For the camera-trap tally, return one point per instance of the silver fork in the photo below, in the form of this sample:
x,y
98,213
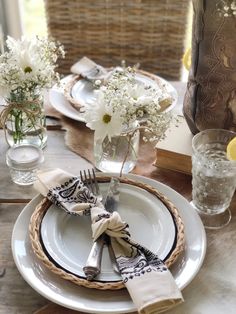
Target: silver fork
x,y
90,181
110,209
93,264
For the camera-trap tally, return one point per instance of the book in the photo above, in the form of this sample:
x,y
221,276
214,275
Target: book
x,y
175,151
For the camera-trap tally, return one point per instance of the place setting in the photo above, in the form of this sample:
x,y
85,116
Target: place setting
x,y
80,88
75,252
58,244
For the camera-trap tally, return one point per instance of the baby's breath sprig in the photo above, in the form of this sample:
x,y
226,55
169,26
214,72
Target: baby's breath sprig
x,y
123,100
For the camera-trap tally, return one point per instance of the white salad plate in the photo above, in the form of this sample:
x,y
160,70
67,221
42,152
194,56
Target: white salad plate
x,y
83,91
88,300
68,239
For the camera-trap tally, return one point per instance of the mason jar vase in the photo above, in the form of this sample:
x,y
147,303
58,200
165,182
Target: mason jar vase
x,y
118,154
26,121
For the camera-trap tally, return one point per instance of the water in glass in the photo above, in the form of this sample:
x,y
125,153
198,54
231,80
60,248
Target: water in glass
x,y
118,154
213,177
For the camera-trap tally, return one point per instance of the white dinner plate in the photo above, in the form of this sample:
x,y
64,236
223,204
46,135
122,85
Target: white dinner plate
x,y
61,104
87,300
68,239
84,92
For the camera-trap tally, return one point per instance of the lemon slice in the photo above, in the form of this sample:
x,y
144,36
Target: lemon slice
x,y
187,59
231,149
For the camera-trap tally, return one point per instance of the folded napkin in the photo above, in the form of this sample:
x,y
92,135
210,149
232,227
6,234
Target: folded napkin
x,y
147,279
89,69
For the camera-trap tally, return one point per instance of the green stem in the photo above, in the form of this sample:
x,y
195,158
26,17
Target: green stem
x,y
127,153
17,134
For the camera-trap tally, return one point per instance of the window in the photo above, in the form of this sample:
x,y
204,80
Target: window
x,y
23,17
33,17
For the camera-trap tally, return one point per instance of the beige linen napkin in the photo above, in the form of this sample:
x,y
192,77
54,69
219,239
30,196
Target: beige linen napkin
x,y
89,69
147,279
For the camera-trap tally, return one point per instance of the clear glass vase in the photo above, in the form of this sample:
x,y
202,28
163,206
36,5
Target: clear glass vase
x,y
118,155
26,121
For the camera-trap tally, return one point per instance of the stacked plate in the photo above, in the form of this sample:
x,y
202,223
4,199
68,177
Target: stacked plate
x,y
67,241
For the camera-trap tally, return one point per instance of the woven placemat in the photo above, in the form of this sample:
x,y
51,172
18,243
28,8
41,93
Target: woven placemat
x,y
41,209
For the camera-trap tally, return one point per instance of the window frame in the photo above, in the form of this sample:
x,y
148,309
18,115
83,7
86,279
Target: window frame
x,y
11,18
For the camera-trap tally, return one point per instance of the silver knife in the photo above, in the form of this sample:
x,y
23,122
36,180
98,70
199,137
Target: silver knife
x,y
93,264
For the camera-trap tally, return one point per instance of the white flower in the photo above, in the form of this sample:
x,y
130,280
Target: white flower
x,y
28,65
102,120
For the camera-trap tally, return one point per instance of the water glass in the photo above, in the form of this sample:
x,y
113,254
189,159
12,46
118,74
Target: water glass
x,y
213,177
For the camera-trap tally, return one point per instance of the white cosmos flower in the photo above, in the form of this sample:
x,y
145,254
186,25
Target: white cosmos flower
x,y
28,63
25,54
103,120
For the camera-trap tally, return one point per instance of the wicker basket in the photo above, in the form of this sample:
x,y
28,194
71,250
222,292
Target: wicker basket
x,y
150,32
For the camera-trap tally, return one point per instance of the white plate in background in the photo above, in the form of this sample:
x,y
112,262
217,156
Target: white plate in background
x,y
84,92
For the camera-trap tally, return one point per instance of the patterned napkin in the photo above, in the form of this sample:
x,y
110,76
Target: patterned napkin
x,y
89,69
148,281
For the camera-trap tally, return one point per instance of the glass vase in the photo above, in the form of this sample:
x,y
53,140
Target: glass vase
x,y
25,122
118,154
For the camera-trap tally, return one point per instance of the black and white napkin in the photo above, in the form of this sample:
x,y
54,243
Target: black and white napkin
x,y
147,279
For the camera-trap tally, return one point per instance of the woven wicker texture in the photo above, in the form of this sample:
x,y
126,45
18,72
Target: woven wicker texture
x,y
34,231
149,32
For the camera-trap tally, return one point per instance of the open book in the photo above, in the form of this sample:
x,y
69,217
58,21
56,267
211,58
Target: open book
x,y
175,151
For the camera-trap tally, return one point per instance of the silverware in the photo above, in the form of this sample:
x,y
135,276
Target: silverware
x,y
111,203
93,264
112,255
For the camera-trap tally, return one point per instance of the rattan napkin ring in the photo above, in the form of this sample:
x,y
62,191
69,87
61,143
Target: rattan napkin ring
x,y
43,206
67,92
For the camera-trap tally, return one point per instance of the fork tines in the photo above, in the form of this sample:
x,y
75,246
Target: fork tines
x,y
88,177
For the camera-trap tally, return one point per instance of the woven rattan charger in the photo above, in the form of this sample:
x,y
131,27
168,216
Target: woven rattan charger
x,y
41,209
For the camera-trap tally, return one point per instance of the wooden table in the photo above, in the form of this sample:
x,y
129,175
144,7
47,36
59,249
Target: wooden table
x,y
213,290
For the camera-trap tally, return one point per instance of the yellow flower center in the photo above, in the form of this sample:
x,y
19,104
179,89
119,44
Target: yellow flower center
x,y
28,69
106,118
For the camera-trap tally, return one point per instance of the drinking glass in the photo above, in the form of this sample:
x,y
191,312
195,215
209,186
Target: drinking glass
x,y
213,177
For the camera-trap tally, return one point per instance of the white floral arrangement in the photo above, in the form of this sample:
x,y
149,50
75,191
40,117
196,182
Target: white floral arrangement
x,y
28,65
26,69
121,101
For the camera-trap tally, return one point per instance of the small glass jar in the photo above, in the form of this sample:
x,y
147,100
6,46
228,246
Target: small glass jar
x,y
120,153
23,162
